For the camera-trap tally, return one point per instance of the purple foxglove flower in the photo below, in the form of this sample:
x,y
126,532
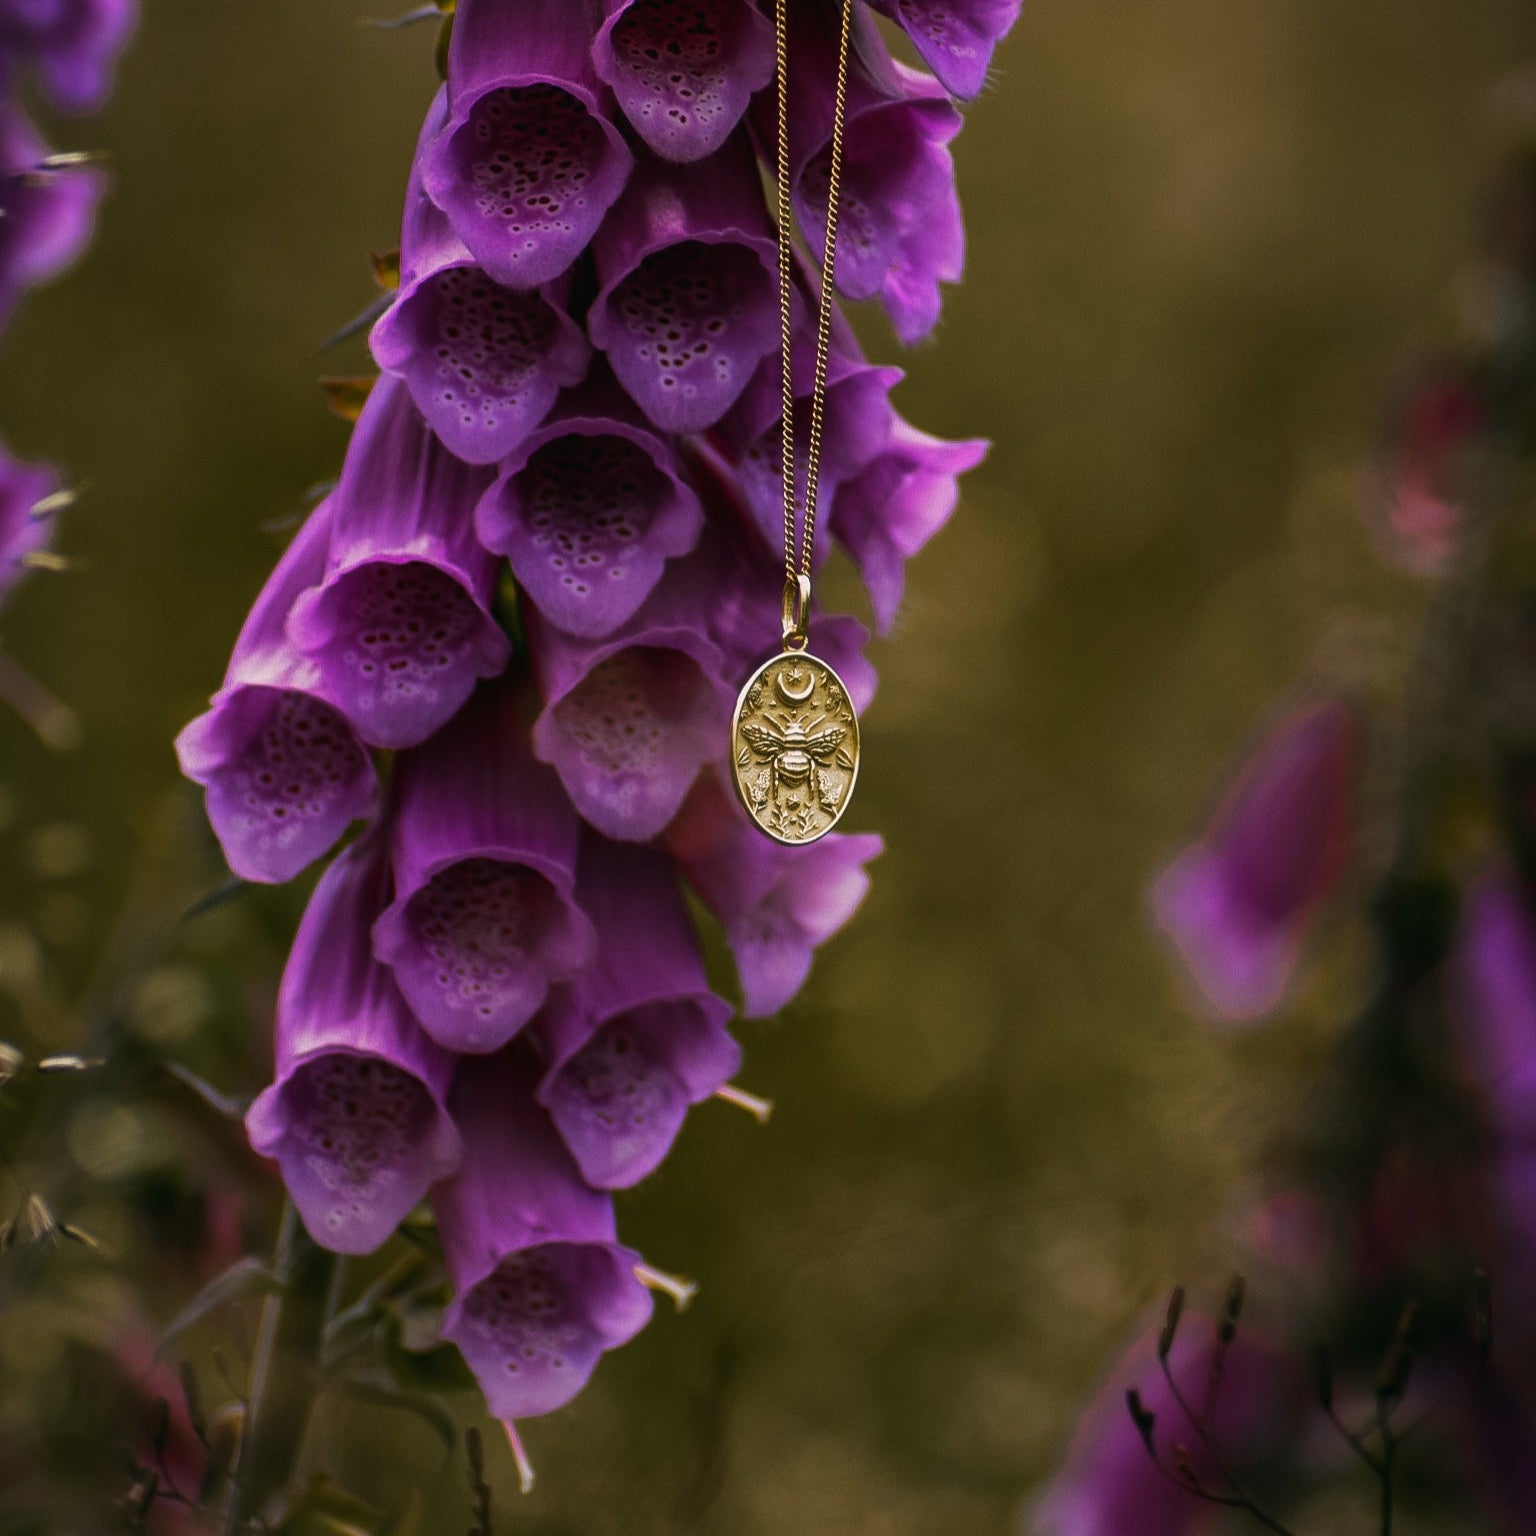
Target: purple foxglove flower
x,y
886,513
588,511
284,771
859,423
775,904
401,626
1236,904
528,161
45,215
22,531
629,721
542,1287
689,300
73,44
1109,1486
356,1113
954,37
483,363
1496,976
684,74
484,916
899,232
639,1036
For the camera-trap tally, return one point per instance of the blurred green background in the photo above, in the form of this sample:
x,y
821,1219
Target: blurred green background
x,y
1203,238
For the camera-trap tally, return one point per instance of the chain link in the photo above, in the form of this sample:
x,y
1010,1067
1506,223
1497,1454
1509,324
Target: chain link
x,y
797,551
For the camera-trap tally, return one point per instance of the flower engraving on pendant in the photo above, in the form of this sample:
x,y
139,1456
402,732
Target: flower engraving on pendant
x,y
795,747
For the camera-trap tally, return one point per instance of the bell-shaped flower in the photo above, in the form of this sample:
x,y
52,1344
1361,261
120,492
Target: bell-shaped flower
x,y
484,363
484,917
688,307
859,423
886,513
528,161
542,1286
24,522
46,213
1236,904
638,1037
628,721
1109,1484
400,626
1496,983
588,511
954,38
683,74
284,771
900,232
356,1113
72,44
775,904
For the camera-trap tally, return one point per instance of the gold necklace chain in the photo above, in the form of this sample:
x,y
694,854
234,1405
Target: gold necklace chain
x,y
797,551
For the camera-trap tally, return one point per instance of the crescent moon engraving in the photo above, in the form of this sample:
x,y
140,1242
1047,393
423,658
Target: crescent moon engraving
x,y
796,695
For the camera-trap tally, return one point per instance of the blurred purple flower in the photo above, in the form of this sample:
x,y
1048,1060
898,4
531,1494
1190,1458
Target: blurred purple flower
x,y
683,74
284,771
1236,903
588,510
1496,972
484,917
1109,1486
46,215
72,44
541,1286
355,1115
529,160
23,530
400,626
639,1036
688,307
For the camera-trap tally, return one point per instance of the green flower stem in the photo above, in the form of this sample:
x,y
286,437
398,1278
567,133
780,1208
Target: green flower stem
x,y
284,1374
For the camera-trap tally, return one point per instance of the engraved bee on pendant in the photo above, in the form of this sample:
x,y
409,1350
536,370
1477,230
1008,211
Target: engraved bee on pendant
x,y
795,747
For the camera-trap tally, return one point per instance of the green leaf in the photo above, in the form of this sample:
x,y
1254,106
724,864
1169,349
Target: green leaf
x,y
231,1106
217,897
249,1276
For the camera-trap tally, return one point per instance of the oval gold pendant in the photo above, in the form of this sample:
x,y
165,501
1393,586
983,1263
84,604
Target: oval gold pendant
x,y
795,747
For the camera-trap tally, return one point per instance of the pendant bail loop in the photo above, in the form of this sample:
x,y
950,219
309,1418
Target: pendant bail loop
x,y
797,611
